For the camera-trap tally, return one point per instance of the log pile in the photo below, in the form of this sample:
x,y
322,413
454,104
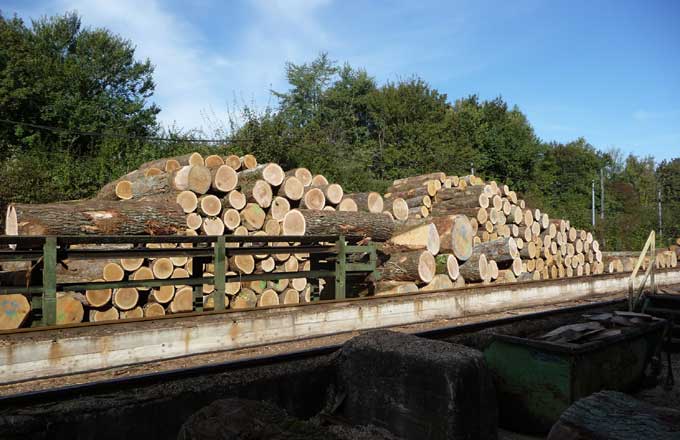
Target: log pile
x,y
433,232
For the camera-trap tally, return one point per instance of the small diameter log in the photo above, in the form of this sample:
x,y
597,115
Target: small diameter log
x,y
213,161
253,217
224,178
398,207
131,264
142,274
259,192
96,217
233,161
319,180
209,205
125,298
289,296
113,272
416,266
194,221
279,209
394,287
303,175
248,162
182,302
163,294
187,200
447,264
333,193
424,236
134,313
196,178
299,284
14,310
268,298
162,268
348,205
153,309
313,198
107,314
231,218
378,227
270,173
369,201
475,269
235,199
291,188
98,297
243,263
212,226
439,282
245,299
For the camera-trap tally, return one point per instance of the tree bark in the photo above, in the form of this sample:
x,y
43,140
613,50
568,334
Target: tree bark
x,y
368,201
378,227
418,266
96,217
475,269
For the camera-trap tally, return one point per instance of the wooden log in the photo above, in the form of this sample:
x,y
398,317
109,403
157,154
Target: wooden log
x,y
303,175
291,188
453,198
455,233
319,180
248,162
289,296
270,173
439,282
394,287
235,200
414,193
280,207
134,313
419,266
268,298
313,198
98,297
245,299
162,268
96,217
113,272
424,236
233,161
243,263
398,207
231,218
187,200
299,284
153,309
368,201
125,298
348,205
223,178
214,161
14,311
135,186
378,227
196,178
212,226
476,268
252,217
177,161
105,314
447,264
332,192
162,294
258,191
209,205
182,302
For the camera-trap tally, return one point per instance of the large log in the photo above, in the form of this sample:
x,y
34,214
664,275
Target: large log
x,y
135,185
475,269
96,217
470,197
424,236
378,227
14,310
455,233
397,207
419,266
368,201
503,251
186,159
270,173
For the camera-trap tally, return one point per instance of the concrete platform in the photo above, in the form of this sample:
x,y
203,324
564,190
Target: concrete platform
x,y
39,353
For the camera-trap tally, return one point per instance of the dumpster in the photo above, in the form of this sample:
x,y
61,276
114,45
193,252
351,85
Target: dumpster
x,y
538,377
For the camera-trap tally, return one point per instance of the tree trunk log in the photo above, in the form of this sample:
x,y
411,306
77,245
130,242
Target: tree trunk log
x,y
475,269
14,310
424,236
368,201
419,266
96,217
378,227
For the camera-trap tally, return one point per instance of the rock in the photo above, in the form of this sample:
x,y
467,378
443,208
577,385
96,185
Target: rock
x,y
417,388
611,415
240,419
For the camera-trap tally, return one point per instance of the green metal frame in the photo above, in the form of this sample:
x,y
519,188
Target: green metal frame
x,y
329,261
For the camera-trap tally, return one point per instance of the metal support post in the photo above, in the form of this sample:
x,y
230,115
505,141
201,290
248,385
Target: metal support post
x,y
197,272
341,269
49,275
220,272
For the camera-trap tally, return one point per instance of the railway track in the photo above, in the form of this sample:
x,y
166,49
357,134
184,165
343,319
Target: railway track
x,y
120,384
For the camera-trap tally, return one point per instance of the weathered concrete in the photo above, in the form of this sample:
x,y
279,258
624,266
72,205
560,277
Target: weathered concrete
x,y
45,353
417,388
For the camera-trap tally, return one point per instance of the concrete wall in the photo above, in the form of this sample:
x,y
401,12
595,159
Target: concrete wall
x,y
47,353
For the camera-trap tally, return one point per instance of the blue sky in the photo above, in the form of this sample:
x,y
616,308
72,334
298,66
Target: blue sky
x,y
605,70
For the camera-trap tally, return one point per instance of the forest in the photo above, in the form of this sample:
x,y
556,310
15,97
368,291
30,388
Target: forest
x,y
77,111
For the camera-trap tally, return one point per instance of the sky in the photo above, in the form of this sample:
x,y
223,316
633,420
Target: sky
x,y
608,71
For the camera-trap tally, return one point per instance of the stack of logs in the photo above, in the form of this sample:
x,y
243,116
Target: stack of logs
x,y
433,232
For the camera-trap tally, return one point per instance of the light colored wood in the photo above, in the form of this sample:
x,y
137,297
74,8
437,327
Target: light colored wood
x,y
97,297
213,161
233,161
252,217
348,205
231,218
243,263
302,174
182,302
291,188
153,309
209,205
248,162
369,201
289,296
162,268
245,299
212,226
279,209
131,264
268,298
70,308
144,273
314,199
162,294
113,272
106,314
235,199
125,298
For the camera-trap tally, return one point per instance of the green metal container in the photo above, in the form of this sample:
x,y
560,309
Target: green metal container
x,y
536,380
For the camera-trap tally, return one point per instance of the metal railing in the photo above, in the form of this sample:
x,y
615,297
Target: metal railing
x,y
633,292
331,257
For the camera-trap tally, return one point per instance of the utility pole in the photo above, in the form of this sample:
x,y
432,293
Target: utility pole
x,y
602,194
472,168
592,205
660,215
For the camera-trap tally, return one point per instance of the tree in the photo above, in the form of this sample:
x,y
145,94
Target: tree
x,y
57,73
